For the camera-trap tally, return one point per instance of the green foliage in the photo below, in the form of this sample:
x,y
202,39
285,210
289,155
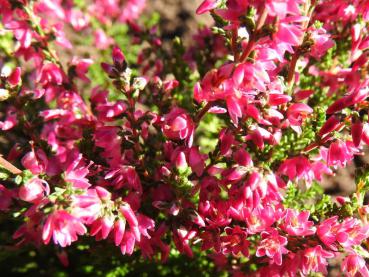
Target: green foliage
x,y
208,132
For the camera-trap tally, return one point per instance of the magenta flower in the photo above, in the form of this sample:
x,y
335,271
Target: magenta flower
x,y
10,120
88,206
81,67
356,132
235,241
327,232
76,174
21,31
354,265
102,226
297,168
99,161
282,8
35,161
297,112
34,190
14,78
5,198
63,228
329,126
50,73
77,19
322,42
132,220
131,10
118,232
101,40
128,242
259,219
272,245
352,232
354,97
177,125
314,260
348,233
288,35
206,6
297,224
340,153
196,161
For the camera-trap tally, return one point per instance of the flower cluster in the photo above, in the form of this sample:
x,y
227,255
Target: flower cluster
x,y
135,162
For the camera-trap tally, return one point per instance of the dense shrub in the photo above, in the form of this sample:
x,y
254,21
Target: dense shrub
x,y
179,159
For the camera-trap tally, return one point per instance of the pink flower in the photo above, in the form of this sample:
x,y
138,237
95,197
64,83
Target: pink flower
x,y
35,161
118,56
101,40
233,11
196,161
354,97
254,190
329,126
352,232
10,121
102,226
34,190
181,238
178,125
314,260
297,112
50,73
234,109
259,219
5,198
81,67
63,227
131,218
354,265
322,42
118,232
276,99
288,35
340,153
14,78
89,205
21,31
77,19
235,241
131,10
297,224
272,245
206,6
76,174
297,168
328,230
348,233
356,132
282,8
63,258
127,244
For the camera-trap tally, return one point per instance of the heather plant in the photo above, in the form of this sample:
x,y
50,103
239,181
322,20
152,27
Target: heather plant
x,y
146,156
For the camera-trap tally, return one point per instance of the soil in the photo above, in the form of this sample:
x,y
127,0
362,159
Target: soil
x,y
178,17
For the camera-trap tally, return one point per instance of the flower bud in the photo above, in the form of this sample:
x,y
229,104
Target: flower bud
x,y
178,125
34,190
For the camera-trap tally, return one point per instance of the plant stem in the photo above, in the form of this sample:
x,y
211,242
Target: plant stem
x,y
202,112
253,38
